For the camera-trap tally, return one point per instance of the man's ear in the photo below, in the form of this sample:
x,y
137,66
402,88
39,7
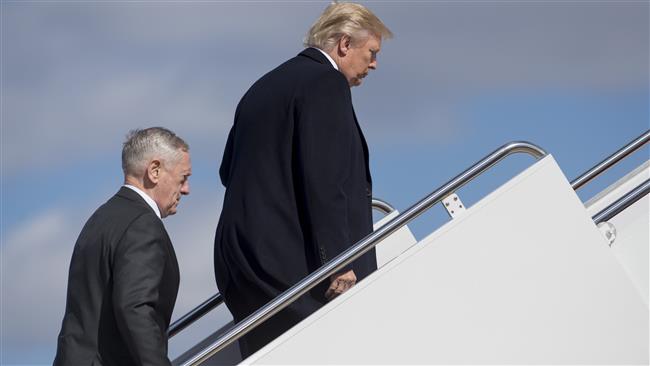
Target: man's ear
x,y
343,45
154,171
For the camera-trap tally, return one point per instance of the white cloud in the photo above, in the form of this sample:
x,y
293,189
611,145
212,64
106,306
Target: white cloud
x,y
94,118
35,261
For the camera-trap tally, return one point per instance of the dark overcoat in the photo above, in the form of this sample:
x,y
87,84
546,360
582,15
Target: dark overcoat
x,y
122,287
298,190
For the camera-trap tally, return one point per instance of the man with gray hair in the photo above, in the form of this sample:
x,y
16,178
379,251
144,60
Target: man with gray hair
x,y
124,277
295,168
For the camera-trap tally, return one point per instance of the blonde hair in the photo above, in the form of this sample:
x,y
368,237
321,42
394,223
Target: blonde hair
x,y
344,19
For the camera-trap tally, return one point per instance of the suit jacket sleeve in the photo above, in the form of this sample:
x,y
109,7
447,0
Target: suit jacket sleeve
x,y
326,134
138,268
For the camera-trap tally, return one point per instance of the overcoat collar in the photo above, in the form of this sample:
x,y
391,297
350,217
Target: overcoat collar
x,y
315,55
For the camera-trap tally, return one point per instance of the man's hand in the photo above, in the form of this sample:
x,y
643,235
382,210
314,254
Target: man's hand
x,y
340,283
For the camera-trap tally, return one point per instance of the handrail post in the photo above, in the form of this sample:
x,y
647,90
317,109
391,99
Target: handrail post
x,y
383,206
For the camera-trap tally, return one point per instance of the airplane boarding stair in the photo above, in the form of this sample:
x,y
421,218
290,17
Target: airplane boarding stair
x,y
529,274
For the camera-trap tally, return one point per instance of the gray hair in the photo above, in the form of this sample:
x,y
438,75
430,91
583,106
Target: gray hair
x,y
142,145
345,19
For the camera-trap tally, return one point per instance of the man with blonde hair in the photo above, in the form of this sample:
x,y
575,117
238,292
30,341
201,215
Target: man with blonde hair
x,y
295,168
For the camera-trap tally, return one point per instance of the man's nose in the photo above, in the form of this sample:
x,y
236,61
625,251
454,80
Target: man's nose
x,y
373,65
185,189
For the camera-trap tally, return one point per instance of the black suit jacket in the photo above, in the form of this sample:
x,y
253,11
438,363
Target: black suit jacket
x,y
122,288
298,187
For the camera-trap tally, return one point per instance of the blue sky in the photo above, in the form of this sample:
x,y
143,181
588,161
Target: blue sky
x,y
459,79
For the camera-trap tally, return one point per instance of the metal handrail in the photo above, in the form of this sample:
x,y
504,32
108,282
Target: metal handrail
x,y
361,247
217,299
195,314
622,203
611,160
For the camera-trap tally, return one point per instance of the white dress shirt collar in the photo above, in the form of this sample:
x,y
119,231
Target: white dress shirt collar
x,y
329,58
146,198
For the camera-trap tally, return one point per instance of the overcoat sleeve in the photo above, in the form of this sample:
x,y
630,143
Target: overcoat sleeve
x,y
326,133
226,162
138,269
